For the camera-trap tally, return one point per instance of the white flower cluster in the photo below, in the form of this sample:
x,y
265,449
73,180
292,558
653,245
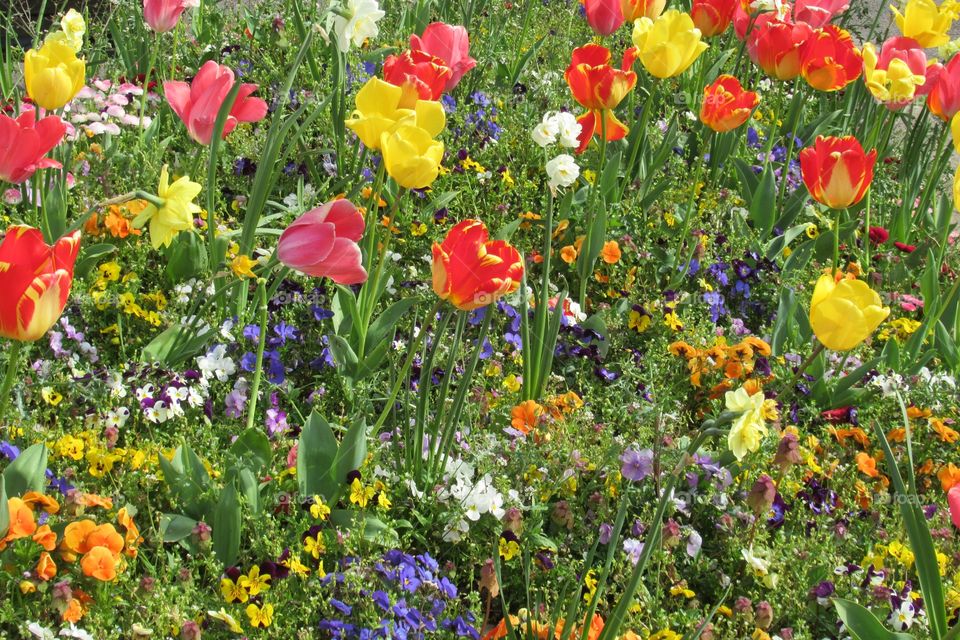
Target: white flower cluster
x,y
474,497
216,364
559,127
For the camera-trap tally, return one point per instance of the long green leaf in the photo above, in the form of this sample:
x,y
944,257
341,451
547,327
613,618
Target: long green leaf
x,y
862,625
226,526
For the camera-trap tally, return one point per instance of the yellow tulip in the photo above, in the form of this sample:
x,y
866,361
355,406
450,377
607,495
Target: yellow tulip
x,y
668,45
844,314
412,156
171,211
378,112
53,74
925,22
956,190
955,131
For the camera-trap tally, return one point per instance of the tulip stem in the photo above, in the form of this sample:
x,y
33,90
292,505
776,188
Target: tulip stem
x,y
836,242
866,235
146,81
13,363
261,344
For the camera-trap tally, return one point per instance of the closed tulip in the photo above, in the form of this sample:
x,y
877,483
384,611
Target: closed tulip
x,y
198,103
470,270
598,87
944,98
603,16
636,9
163,15
898,74
668,45
818,13
726,105
830,61
843,314
411,155
419,75
926,22
836,171
24,142
776,46
53,74
35,278
378,111
449,43
323,243
713,17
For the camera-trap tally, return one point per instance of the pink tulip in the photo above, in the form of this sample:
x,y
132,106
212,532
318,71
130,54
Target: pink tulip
x,y
818,13
163,15
198,103
953,499
24,143
449,43
604,16
912,54
323,243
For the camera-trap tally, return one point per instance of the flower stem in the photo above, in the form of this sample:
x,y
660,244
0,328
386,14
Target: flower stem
x,y
261,344
13,363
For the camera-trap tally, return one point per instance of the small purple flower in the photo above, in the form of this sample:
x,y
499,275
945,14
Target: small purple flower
x,y
636,465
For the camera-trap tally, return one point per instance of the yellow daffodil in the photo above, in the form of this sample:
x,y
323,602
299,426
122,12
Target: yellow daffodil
x,y
843,314
378,111
747,431
171,211
412,156
668,45
53,74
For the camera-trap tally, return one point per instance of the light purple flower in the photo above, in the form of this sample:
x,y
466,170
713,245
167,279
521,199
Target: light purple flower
x,y
636,465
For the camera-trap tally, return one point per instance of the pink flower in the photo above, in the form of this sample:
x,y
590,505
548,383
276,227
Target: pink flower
x,y
449,43
323,243
604,16
163,15
24,143
910,303
953,499
817,13
198,103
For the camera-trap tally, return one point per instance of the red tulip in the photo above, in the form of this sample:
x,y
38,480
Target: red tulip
x,y
836,171
953,499
35,279
470,271
24,143
420,75
449,43
944,98
604,16
747,20
163,15
713,17
198,103
599,87
776,46
817,13
830,60
323,243
726,105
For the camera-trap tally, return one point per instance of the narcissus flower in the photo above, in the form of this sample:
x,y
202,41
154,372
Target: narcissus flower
x,y
830,61
73,27
818,13
412,156
163,15
944,98
603,16
355,21
35,278
713,17
898,74
726,105
323,243
776,46
420,76
843,314
636,9
837,171
53,75
668,45
747,430
172,211
470,270
198,103
599,87
926,22
562,171
378,111
24,143
449,43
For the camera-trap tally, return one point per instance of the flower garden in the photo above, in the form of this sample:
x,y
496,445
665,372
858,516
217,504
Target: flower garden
x,y
527,319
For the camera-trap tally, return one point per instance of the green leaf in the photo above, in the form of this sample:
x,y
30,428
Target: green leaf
x,y
176,344
90,257
250,489
374,529
175,527
226,526
382,327
862,625
763,206
785,320
352,452
344,308
505,232
343,354
4,509
252,449
27,472
316,456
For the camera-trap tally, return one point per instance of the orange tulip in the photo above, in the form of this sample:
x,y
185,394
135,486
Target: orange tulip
x,y
837,171
726,105
470,271
599,87
46,567
713,17
776,46
830,60
99,563
636,9
35,279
